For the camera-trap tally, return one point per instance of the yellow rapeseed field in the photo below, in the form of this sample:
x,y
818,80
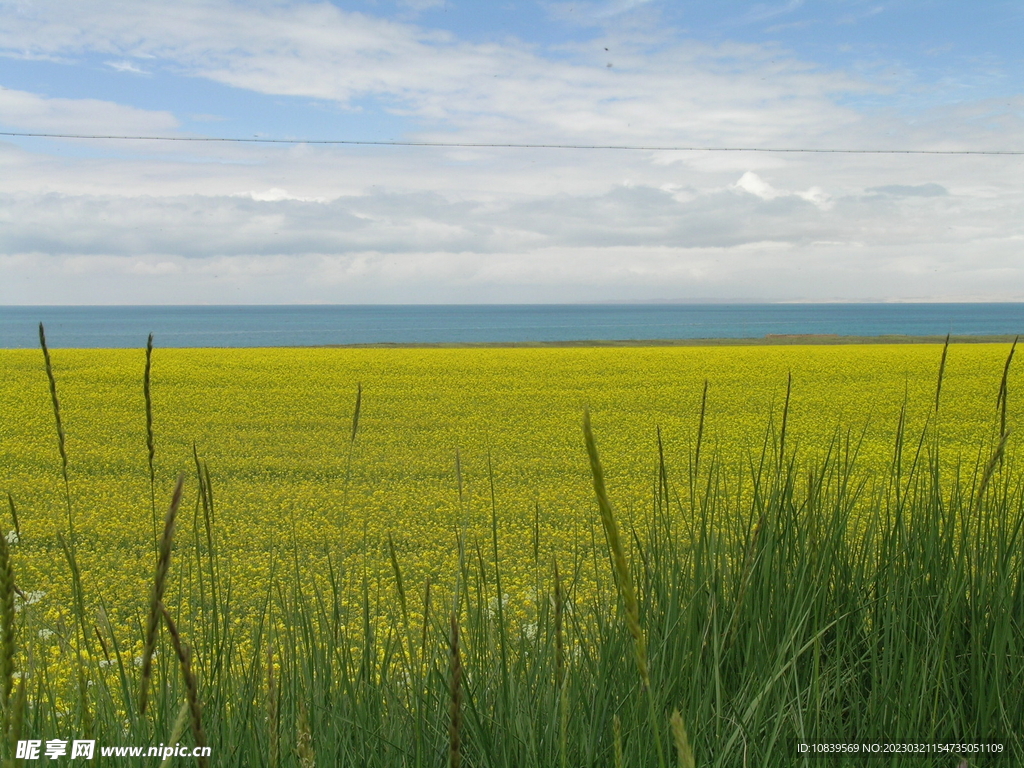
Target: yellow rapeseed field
x,y
292,489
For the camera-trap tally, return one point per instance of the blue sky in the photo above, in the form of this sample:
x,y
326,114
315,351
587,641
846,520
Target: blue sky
x,y
168,222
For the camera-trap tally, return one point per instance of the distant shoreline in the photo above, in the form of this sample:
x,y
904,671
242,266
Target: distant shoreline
x,y
778,340
771,340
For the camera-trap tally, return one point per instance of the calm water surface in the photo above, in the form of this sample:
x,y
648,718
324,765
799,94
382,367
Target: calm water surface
x,y
262,326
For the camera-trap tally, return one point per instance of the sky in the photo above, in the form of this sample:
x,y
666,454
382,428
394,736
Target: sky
x,y
175,222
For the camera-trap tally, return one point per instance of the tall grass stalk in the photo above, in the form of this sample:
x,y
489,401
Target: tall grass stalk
x,y
356,411
150,443
14,515
195,709
15,718
700,430
785,419
684,754
304,740
55,403
617,741
1001,399
177,731
624,580
455,696
273,715
163,564
942,371
6,637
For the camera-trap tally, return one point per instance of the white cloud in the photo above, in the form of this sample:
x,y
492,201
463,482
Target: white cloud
x,y
911,190
30,111
126,66
422,5
816,196
755,185
761,12
276,194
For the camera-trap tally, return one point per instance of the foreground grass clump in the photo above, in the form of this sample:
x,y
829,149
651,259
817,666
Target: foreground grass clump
x,y
804,595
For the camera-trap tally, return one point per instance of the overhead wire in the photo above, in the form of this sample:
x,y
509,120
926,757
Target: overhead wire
x,y
500,145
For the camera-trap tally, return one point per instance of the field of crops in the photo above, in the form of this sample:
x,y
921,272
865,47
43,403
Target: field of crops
x,y
275,428
347,467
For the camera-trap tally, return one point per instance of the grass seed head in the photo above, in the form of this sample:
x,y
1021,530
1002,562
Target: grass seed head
x,y
623,577
684,753
163,565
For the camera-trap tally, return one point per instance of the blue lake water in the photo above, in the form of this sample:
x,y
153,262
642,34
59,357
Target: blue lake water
x,y
305,325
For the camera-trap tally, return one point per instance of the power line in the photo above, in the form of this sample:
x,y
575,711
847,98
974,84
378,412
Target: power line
x,y
488,145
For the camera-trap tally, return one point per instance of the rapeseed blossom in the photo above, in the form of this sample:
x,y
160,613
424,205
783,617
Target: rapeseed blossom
x,y
292,481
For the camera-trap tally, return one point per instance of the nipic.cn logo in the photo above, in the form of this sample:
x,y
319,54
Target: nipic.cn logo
x,y
53,748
